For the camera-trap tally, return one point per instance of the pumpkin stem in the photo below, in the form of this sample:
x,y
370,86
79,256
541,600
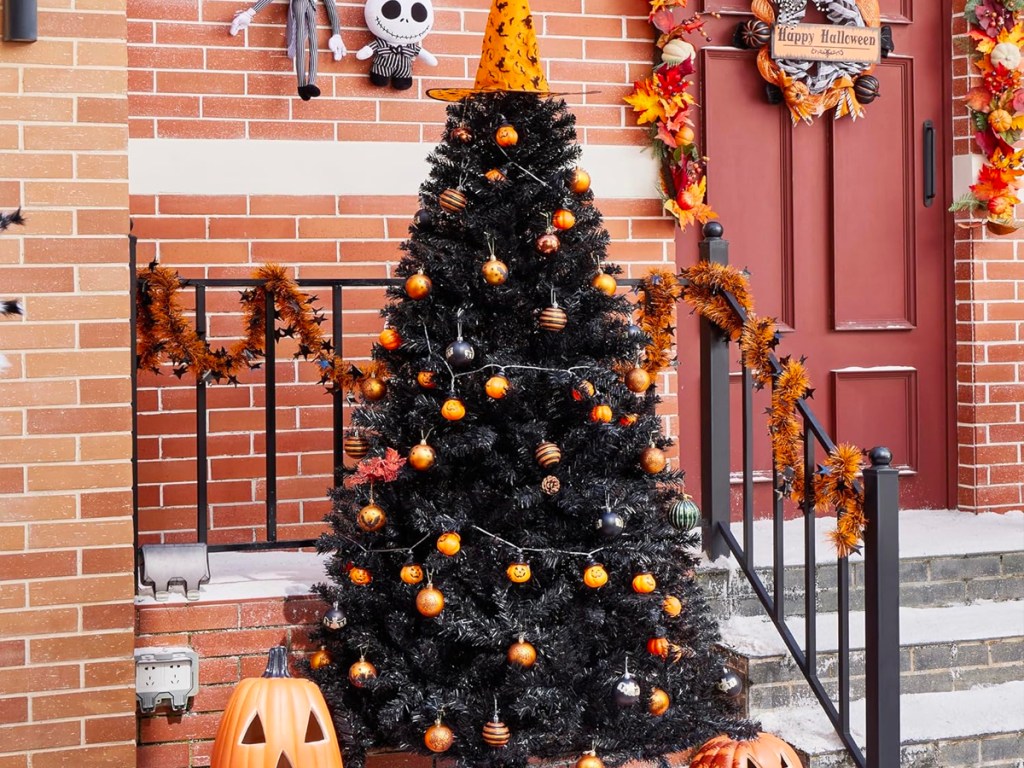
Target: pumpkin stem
x,y
277,662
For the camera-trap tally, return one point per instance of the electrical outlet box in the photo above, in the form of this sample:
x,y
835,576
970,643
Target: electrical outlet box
x,y
165,675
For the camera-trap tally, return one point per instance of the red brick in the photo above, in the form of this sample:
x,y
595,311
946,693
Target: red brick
x,y
13,710
19,738
173,755
113,756
253,641
157,619
47,677
105,645
83,703
12,653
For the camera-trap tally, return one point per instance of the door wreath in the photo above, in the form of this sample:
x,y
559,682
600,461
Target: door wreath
x,y
809,88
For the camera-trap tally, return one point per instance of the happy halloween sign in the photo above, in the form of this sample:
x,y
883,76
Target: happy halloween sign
x,y
827,42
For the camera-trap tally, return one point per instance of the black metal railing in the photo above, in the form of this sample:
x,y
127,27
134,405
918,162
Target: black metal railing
x,y
881,543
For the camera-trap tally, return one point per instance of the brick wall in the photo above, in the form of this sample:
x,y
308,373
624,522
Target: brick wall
x,y
66,683
989,272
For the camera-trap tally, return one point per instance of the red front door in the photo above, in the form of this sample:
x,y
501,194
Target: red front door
x,y
832,222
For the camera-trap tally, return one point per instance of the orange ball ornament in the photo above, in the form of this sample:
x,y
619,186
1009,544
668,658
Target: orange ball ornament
x,y
411,573
644,583
497,387
360,576
506,136
495,272
579,181
418,286
658,703
371,518
449,543
439,737
672,606
422,456
652,460
605,283
563,219
453,409
522,654
595,576
390,339
430,601
519,573
590,760
362,672
638,380
320,658
427,379
373,388
601,414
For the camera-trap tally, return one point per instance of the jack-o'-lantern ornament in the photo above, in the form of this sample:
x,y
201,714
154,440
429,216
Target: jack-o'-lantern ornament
x,y
605,283
519,572
658,702
422,456
449,543
418,286
638,380
563,219
644,583
390,339
495,272
411,573
522,653
506,135
439,737
579,181
764,751
595,576
371,518
497,387
276,720
430,601
427,379
361,577
653,460
362,672
583,391
453,409
672,606
548,243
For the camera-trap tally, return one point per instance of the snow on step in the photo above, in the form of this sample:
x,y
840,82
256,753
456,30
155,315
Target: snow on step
x,y
923,533
924,717
755,636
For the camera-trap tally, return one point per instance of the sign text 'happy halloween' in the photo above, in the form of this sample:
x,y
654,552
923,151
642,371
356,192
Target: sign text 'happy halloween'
x,y
827,42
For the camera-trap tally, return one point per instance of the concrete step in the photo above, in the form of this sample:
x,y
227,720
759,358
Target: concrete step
x,y
978,728
947,558
942,649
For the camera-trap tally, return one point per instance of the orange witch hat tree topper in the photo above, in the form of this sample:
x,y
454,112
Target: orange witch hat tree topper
x,y
509,60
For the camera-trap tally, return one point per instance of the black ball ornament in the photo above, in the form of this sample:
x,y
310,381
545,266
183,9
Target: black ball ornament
x,y
731,683
865,88
634,332
610,524
627,691
335,618
460,353
422,218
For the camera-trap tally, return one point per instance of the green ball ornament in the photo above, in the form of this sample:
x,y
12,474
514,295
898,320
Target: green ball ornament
x,y
684,514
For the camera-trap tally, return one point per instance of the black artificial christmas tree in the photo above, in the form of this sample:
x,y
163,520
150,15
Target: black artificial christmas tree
x,y
517,587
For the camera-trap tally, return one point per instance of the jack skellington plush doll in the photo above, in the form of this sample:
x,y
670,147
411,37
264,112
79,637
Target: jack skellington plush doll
x,y
398,28
301,35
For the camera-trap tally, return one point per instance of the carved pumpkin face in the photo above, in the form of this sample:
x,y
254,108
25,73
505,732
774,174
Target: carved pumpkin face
x,y
601,413
518,573
595,576
449,543
643,583
360,577
412,573
765,751
390,339
506,136
453,409
276,721
399,22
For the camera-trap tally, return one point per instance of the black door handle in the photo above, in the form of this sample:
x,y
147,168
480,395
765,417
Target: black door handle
x,y
929,163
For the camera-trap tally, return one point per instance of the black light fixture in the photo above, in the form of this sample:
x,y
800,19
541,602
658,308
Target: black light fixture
x,y
21,19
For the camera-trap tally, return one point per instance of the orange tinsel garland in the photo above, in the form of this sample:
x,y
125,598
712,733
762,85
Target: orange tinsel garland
x,y
164,334
833,485
655,308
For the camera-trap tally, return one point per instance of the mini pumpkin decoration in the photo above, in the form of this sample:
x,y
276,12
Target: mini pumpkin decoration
x,y
371,518
360,673
430,601
605,283
320,658
590,760
506,135
418,286
1006,54
495,272
439,737
595,576
356,446
519,572
753,33
411,573
866,88
658,646
579,181
452,200
658,703
427,379
422,456
390,339
672,606
638,380
360,576
495,176
497,387
548,243
553,319
276,720
601,414
644,583
563,219
373,388
449,543
584,390
548,455
653,460
453,409
1000,120
628,419
764,751
522,653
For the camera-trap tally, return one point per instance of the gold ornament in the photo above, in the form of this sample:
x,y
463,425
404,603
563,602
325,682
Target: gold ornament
x,y
638,380
430,601
553,319
652,460
371,518
449,543
495,272
452,200
579,181
422,456
658,703
563,219
522,654
360,673
496,734
605,283
356,446
439,737
590,760
548,243
373,388
548,455
320,658
418,286
390,339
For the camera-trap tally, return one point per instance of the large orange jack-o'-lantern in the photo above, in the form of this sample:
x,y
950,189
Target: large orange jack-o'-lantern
x,y
276,721
764,751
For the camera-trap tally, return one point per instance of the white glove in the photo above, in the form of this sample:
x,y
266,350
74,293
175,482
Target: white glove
x,y
365,52
241,21
428,58
337,47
